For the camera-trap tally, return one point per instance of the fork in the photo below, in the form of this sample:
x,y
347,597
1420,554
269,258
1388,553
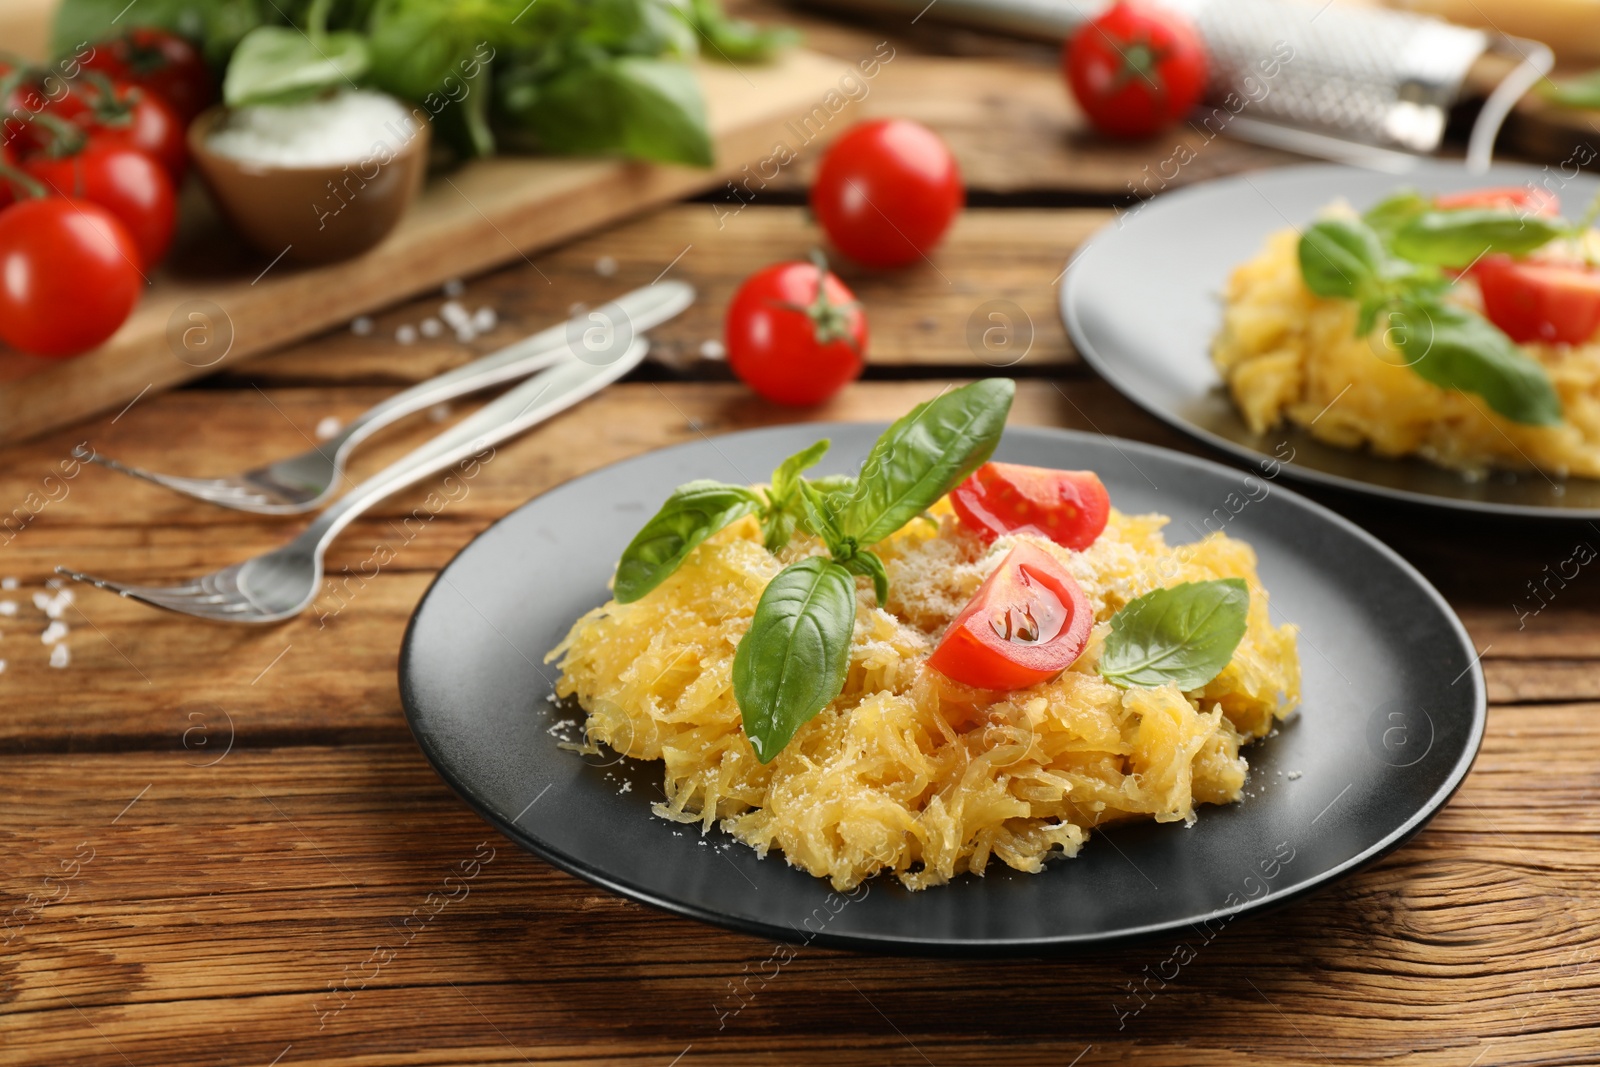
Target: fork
x,y
280,584
304,482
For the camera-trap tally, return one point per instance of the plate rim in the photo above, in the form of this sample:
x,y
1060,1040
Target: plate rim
x,y
1105,367
981,947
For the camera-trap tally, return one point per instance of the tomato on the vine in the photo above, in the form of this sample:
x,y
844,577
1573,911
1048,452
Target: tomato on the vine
x,y
1135,68
67,276
1026,624
886,192
1068,507
1536,300
162,62
124,181
110,112
795,333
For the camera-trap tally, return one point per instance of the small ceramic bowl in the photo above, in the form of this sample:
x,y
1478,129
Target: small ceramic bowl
x,y
311,214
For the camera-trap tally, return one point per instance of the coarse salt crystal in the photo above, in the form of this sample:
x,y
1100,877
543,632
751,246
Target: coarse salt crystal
x,y
60,656
713,349
361,326
8,583
605,266
484,319
53,606
8,607
53,633
406,334
327,427
453,312
431,327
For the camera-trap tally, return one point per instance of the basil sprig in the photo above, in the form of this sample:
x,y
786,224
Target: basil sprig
x,y
1184,634
792,661
1389,263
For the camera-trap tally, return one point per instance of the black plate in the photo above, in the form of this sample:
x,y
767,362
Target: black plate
x,y
1392,716
1142,302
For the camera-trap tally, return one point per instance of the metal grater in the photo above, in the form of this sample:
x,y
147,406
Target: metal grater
x,y
1361,85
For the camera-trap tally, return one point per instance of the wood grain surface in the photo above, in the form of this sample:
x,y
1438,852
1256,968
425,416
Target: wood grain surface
x,y
215,843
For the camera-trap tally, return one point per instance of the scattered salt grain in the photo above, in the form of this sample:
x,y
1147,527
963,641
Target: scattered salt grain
x,y
484,319
454,287
2,666
438,413
432,327
347,127
605,266
406,334
454,313
466,335
60,656
713,349
627,787
53,606
361,326
8,583
328,427
1293,775
8,607
53,633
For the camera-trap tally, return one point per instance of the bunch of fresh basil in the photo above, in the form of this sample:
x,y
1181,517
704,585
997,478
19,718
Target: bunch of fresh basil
x,y
1391,262
557,76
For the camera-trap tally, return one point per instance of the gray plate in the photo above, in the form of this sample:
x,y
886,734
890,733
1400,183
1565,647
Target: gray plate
x,y
1142,303
1392,716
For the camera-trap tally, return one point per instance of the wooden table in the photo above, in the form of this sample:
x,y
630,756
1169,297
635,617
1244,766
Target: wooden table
x,y
211,835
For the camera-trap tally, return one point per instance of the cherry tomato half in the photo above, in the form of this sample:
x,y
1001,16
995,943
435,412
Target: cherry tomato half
x,y
795,333
1026,624
1519,198
886,192
164,63
1540,301
1068,507
124,181
1135,69
67,276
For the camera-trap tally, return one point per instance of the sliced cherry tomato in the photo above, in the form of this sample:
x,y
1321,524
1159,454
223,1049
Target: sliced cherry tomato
x,y
1520,198
795,333
164,63
886,192
67,276
1026,624
1135,69
126,182
1533,300
1068,507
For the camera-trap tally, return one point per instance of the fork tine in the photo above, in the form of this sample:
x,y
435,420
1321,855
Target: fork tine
x,y
180,598
225,491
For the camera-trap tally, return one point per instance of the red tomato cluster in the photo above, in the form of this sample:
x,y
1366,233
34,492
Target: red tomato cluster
x,y
1030,619
885,193
91,161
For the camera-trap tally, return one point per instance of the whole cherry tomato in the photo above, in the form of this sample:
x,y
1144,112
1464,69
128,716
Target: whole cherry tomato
x,y
1026,624
1534,300
1068,507
1524,199
886,192
1135,69
162,62
67,276
124,181
795,333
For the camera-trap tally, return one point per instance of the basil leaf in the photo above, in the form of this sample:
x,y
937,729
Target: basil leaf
x,y
637,106
866,562
279,65
777,530
835,484
735,40
924,455
1457,349
778,520
818,517
786,479
1340,258
1394,211
1184,634
693,512
1581,92
1458,238
792,661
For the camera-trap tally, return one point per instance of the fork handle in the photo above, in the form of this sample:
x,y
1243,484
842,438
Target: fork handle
x,y
635,311
547,394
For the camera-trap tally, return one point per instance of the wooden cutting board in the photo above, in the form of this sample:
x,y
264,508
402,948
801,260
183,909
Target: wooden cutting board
x,y
214,301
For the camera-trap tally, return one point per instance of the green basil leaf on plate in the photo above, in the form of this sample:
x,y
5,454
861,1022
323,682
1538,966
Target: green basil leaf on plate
x,y
281,65
1184,634
693,512
792,661
1459,238
786,479
924,455
1394,211
1340,258
1455,348
867,563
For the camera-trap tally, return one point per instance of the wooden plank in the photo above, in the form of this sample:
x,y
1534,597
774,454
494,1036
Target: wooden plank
x,y
997,262
211,909
487,213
